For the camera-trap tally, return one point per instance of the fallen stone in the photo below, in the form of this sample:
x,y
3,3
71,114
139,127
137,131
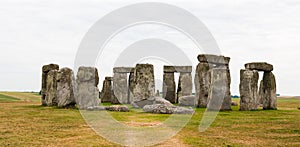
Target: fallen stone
x,y
65,85
260,66
96,108
187,101
183,110
150,101
167,109
119,108
234,103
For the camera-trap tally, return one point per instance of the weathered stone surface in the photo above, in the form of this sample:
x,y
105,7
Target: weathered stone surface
x,y
189,100
248,90
86,90
185,85
65,85
260,93
167,109
172,69
150,101
214,59
203,74
219,91
118,108
131,87
169,69
123,69
169,87
107,93
120,88
51,90
144,87
260,66
45,70
269,91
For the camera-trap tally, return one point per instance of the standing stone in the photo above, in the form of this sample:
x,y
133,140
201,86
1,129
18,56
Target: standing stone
x,y
269,91
51,88
219,91
65,85
248,89
169,87
260,93
144,87
87,93
107,93
157,94
131,86
120,88
45,70
185,85
203,74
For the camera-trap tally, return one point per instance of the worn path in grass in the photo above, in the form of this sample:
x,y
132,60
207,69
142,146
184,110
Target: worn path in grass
x,y
23,122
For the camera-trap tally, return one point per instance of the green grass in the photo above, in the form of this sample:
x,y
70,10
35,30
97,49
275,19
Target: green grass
x,y
7,98
25,123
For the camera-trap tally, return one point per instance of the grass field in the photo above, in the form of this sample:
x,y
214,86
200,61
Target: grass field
x,y
23,122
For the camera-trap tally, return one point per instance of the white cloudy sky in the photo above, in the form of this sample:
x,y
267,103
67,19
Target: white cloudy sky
x,y
38,32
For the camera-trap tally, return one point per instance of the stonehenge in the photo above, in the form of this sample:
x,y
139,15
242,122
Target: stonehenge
x,y
185,84
251,97
212,80
136,86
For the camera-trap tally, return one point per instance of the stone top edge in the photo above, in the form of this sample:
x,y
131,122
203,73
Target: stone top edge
x,y
260,66
215,59
168,68
123,69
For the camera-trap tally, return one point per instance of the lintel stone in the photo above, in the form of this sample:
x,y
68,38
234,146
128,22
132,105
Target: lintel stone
x,y
215,59
123,69
180,69
260,66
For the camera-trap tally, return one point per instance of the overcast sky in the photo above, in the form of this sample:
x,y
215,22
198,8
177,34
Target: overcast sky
x,y
38,32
